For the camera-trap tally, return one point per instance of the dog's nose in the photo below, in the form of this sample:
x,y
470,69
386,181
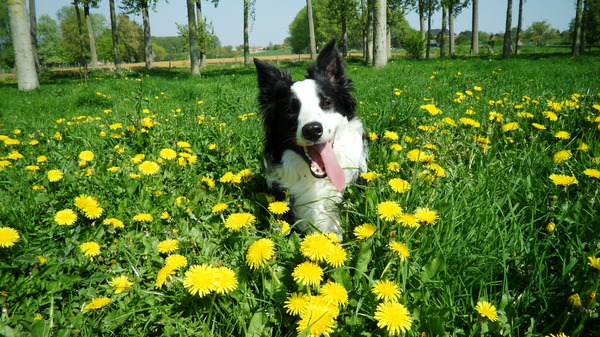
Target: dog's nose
x,y
312,131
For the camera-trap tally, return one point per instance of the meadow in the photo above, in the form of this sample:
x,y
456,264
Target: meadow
x,y
135,205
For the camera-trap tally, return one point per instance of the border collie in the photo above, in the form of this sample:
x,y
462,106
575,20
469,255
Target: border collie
x,y
314,142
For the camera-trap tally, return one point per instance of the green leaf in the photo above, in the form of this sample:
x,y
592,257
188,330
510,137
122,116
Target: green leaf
x,y
433,268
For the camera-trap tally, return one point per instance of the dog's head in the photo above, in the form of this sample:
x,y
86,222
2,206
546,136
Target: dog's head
x,y
304,115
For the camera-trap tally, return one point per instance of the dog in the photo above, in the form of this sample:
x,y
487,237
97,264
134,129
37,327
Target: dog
x,y
315,143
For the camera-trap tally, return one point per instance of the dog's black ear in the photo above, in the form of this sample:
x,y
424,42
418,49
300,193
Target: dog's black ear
x,y
270,76
329,63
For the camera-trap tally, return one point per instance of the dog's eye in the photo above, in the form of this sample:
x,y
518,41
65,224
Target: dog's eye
x,y
326,103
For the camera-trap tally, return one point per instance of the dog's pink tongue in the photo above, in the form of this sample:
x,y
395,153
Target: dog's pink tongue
x,y
332,166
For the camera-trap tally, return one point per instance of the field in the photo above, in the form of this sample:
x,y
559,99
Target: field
x,y
135,205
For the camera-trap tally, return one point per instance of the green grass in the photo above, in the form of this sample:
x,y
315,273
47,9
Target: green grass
x,y
490,242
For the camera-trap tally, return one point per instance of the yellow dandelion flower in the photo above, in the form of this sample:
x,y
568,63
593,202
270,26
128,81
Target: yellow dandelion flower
x,y
96,303
373,136
114,222
228,177
432,109
54,175
184,144
426,215
225,280
592,173
237,221
200,280
317,318
167,246
394,317
550,227
334,293
295,303
120,283
487,310
400,249
369,176
389,210
65,217
260,252
143,217
209,181
386,290
137,159
278,207
165,274
364,231
168,154
8,237
594,262
399,185
93,212
560,334
90,249
308,274
563,180
219,207
149,168
562,156
408,220
562,135
32,168
316,247
393,166
396,147
417,155
390,135
337,256
538,126
176,261
86,155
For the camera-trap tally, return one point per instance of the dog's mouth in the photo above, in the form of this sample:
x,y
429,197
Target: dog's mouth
x,y
323,163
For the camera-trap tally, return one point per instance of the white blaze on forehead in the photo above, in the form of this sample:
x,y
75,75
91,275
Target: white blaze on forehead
x,y
310,111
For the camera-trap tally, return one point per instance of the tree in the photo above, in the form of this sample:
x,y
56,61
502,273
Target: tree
x,y
519,29
247,8
193,34
27,78
81,41
116,55
311,30
70,47
577,29
7,59
90,30
591,23
324,29
33,32
380,54
48,35
143,7
342,11
442,36
475,30
507,31
540,32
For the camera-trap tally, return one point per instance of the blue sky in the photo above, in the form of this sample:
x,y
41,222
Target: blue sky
x,y
273,17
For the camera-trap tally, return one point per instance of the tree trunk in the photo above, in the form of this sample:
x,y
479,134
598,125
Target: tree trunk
x,y
584,23
193,35
90,30
21,38
475,29
451,28
428,46
379,33
577,29
519,28
115,37
83,59
149,55
507,39
369,34
422,21
443,33
201,30
311,31
33,27
246,42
